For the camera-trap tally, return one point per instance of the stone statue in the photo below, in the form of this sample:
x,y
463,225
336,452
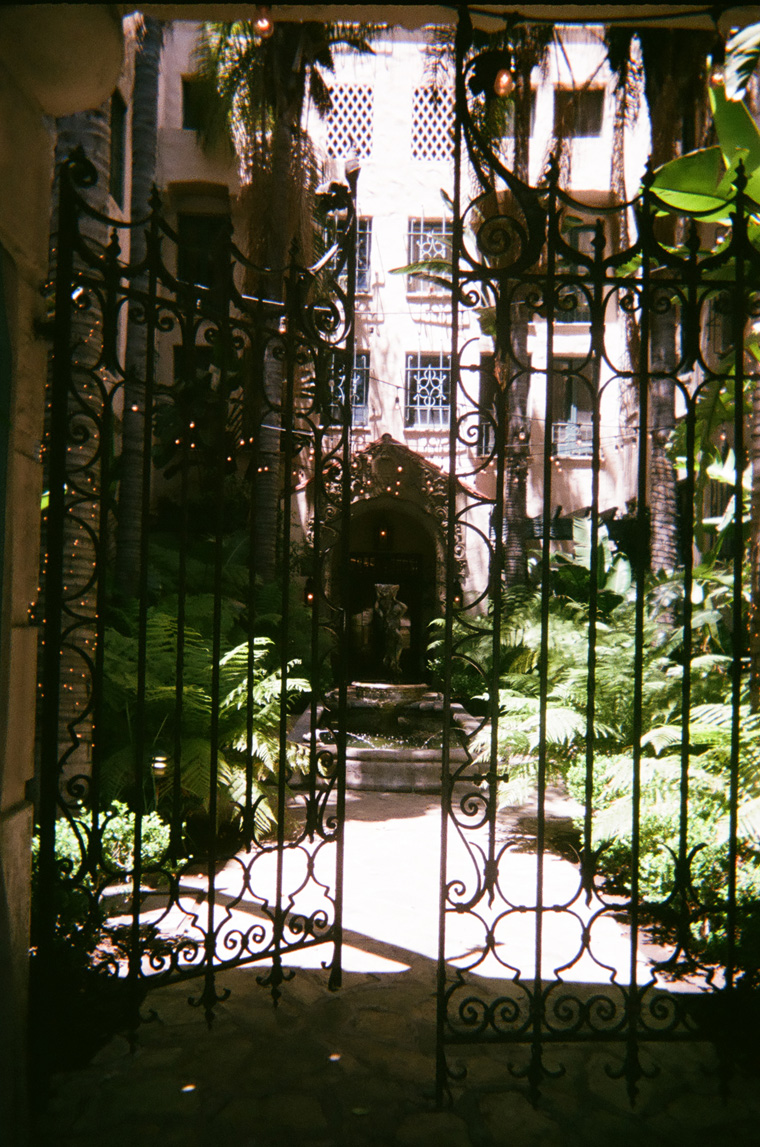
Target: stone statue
x,y
388,615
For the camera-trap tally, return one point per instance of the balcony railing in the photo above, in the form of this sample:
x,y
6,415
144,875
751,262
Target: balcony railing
x,y
573,439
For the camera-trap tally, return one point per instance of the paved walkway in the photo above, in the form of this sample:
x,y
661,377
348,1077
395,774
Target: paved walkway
x,y
356,1068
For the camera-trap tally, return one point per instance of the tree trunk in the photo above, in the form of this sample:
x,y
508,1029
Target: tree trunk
x,y
674,74
509,360
144,153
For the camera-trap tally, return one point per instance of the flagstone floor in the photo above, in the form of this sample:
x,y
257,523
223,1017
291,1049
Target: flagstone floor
x,y
356,1067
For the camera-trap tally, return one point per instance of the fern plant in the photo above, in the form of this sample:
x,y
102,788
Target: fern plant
x,y
179,732
614,731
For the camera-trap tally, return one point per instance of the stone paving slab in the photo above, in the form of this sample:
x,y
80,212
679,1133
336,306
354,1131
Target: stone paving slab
x,y
356,1068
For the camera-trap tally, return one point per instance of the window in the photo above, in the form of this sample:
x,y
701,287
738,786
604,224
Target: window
x,y
573,302
572,429
118,148
719,325
487,403
432,124
195,95
202,253
509,126
578,113
428,389
359,390
195,361
350,121
363,256
428,240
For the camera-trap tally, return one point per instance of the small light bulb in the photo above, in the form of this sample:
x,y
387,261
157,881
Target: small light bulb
x,y
262,25
504,84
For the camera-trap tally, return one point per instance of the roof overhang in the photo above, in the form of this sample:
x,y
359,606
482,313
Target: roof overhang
x,y
486,16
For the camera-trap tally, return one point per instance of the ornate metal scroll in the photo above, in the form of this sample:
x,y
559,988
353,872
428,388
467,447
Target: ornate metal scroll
x,y
190,395
526,956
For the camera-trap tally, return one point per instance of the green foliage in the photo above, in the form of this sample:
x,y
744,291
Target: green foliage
x,y
179,668
88,860
742,56
250,690
116,835
570,721
702,182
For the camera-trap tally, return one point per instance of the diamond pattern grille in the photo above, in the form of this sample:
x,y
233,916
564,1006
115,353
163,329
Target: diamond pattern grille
x,y
432,124
350,122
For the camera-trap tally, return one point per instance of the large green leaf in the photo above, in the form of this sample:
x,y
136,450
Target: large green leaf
x,y
736,129
742,57
691,183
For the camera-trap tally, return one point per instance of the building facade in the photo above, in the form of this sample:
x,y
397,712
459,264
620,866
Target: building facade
x,y
394,117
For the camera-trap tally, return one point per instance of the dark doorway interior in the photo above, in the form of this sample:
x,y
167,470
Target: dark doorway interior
x,y
390,549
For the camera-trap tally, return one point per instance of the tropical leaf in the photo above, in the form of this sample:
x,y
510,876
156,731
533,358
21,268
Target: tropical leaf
x,y
742,56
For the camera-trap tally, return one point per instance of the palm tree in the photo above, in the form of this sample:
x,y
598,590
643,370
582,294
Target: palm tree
x,y
259,88
675,76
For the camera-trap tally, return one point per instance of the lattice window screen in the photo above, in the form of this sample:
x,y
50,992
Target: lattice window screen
x,y
349,124
432,124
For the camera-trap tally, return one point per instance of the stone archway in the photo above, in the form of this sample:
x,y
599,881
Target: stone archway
x,y
397,536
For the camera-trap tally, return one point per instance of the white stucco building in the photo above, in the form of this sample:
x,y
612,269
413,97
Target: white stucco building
x,y
387,114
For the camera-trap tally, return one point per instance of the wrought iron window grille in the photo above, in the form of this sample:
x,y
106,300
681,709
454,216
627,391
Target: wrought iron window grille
x,y
359,390
363,253
428,241
428,389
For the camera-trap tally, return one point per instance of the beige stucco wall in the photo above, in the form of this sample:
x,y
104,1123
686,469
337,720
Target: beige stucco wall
x,y
53,60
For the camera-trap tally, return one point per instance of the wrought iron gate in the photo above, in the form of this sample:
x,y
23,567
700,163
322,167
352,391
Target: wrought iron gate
x,y
168,673
189,372
523,957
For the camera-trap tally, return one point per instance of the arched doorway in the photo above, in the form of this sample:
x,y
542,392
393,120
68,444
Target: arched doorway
x,y
390,545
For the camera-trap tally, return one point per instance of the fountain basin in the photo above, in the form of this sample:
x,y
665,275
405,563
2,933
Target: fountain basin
x,y
393,736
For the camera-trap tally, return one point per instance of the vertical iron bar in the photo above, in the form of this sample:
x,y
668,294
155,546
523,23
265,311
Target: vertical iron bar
x,y
219,413
738,321
642,521
462,44
597,353
344,575
112,276
175,840
549,299
316,668
690,322
255,395
142,626
495,594
292,287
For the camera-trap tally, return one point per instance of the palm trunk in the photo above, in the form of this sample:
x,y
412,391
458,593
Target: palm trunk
x,y
516,392
673,67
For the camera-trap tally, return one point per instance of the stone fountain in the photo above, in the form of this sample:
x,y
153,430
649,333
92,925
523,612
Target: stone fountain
x,y
394,730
